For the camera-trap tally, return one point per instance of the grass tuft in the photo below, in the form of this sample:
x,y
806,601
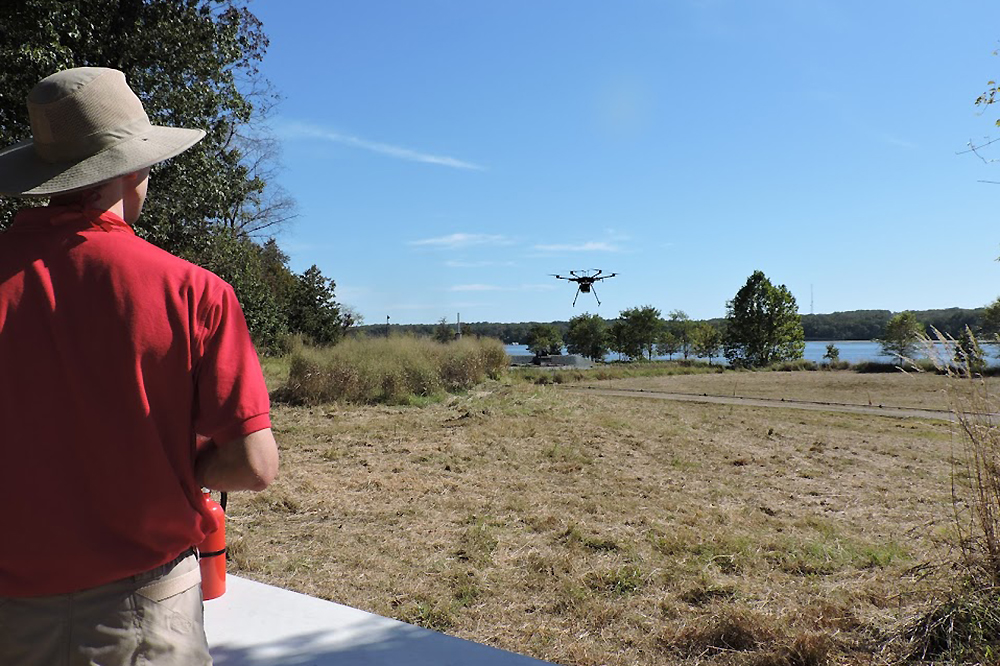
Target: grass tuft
x,y
965,628
621,581
809,649
733,630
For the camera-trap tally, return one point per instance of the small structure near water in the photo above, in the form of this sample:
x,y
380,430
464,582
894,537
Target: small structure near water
x,y
554,361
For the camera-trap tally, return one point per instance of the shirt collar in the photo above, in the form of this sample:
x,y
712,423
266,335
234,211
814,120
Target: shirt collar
x,y
69,216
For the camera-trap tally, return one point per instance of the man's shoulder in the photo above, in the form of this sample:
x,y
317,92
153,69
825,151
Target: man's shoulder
x,y
148,259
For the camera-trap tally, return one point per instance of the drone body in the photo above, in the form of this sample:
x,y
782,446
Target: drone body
x,y
585,280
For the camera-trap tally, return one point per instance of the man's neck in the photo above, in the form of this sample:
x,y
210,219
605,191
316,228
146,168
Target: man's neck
x,y
106,197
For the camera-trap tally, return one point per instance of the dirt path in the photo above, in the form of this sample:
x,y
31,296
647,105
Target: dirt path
x,y
881,410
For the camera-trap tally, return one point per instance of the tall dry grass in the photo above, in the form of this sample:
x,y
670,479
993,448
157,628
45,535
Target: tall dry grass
x,y
963,624
392,370
976,460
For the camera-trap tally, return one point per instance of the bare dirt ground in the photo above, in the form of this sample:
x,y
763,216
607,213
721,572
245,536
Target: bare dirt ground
x,y
594,529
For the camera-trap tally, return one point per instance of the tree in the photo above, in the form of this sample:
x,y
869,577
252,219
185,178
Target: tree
x,y
989,325
588,336
312,310
968,353
900,336
193,64
668,344
832,353
241,262
544,340
681,326
706,340
621,341
642,329
443,332
762,324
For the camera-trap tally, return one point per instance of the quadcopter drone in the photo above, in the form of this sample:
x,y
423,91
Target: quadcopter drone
x,y
585,280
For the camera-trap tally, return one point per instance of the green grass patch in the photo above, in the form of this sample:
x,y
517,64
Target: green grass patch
x,y
620,581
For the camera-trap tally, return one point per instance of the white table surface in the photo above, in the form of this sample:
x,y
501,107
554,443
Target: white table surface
x,y
254,624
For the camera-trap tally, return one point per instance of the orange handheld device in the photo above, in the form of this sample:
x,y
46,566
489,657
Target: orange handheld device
x,y
212,553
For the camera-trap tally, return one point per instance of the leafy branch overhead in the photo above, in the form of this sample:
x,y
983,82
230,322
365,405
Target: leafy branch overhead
x,y
194,63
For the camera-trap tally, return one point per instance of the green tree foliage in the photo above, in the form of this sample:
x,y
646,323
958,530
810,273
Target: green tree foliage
x,y
312,310
853,325
762,324
587,336
869,324
643,328
621,341
706,340
194,64
832,353
185,58
443,332
240,262
274,272
901,335
969,354
990,322
544,340
682,328
668,344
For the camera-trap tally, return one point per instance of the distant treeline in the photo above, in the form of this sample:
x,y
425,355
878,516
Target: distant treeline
x,y
853,325
870,324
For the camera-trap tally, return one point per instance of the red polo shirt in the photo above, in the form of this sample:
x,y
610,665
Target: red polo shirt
x,y
113,355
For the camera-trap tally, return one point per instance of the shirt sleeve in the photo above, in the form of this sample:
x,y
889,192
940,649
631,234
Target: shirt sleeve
x,y
230,394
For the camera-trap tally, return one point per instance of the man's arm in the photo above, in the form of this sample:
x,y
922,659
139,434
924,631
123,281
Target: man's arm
x,y
246,463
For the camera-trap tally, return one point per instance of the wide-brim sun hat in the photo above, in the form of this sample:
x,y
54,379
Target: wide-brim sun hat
x,y
87,127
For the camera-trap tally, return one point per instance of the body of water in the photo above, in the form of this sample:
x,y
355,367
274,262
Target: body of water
x,y
853,351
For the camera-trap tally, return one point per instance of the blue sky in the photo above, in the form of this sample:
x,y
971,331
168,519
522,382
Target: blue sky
x,y
447,156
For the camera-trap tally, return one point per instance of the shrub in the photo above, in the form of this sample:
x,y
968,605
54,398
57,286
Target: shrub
x,y
794,366
925,365
389,370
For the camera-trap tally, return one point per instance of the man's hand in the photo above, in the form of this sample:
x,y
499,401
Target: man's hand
x,y
245,463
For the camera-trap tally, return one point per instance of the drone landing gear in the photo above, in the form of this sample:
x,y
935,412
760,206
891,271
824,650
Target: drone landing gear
x,y
588,289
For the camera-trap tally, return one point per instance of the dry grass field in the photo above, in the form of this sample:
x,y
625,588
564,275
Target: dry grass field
x,y
585,529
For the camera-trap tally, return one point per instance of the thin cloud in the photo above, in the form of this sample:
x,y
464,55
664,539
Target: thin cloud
x,y
453,241
492,287
477,264
307,131
475,287
896,141
593,246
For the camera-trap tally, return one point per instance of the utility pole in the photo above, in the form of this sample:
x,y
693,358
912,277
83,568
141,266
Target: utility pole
x,y
458,324
387,327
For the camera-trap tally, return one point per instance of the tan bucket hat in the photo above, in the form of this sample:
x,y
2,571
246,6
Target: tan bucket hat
x,y
87,127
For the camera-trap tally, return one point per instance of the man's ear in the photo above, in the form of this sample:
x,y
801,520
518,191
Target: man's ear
x,y
137,176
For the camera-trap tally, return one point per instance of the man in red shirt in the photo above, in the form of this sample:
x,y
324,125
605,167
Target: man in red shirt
x,y
116,360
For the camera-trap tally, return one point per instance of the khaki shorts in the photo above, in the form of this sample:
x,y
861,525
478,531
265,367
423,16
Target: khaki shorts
x,y
136,621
